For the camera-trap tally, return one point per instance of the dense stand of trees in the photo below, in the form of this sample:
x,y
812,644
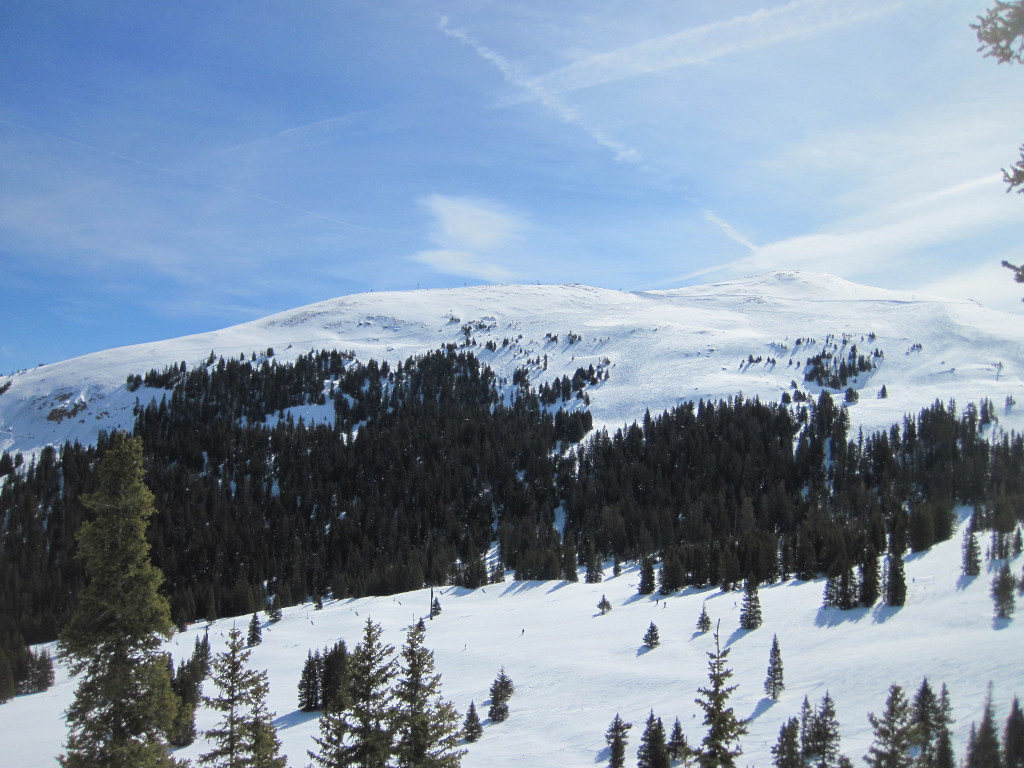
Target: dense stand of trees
x,y
427,462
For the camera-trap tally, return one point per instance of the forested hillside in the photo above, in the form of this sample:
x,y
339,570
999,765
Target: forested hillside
x,y
426,463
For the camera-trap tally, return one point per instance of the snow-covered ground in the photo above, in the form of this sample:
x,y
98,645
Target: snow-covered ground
x,y
574,669
663,348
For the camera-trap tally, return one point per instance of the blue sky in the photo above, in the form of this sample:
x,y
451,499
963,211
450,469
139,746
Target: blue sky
x,y
169,168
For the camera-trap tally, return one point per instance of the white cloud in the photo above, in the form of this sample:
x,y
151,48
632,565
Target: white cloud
x,y
474,238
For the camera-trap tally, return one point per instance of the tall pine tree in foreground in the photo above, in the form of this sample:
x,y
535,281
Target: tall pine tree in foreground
x,y
720,746
124,704
983,743
787,753
245,735
428,730
891,746
1013,737
358,729
653,751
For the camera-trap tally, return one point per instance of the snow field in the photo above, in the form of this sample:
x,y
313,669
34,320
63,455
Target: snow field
x,y
574,669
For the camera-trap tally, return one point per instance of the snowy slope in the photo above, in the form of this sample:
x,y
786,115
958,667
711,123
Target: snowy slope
x,y
664,347
574,669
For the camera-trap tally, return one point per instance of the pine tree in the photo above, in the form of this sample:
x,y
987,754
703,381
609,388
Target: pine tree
x,y
471,727
435,608
501,691
983,746
124,704
616,736
786,753
720,746
255,636
896,584
892,742
678,747
971,550
651,636
1003,586
185,683
703,621
604,606
750,610
428,729
653,751
820,733
333,673
773,683
924,724
245,730
869,587
359,728
1013,737
646,577
310,695
944,757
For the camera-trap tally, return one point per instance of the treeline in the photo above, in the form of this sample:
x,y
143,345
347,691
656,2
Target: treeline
x,y
427,462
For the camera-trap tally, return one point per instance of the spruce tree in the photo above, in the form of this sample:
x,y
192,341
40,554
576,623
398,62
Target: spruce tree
x,y
892,741
678,747
652,638
255,636
773,682
616,737
646,577
896,584
245,732
604,606
820,733
471,727
333,673
750,610
653,751
869,587
428,725
924,723
944,757
786,753
720,746
186,684
501,691
1013,737
310,696
703,621
359,728
124,705
983,745
1003,586
971,564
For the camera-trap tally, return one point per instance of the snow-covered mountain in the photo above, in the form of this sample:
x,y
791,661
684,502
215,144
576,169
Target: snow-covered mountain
x,y
662,348
573,668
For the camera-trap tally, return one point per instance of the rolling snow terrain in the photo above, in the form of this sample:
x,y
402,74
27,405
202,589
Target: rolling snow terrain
x,y
662,348
574,669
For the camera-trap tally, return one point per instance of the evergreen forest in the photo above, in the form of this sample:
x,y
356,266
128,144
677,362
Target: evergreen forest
x,y
428,462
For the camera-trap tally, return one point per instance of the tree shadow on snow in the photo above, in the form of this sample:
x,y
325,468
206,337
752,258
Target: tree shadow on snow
x,y
833,617
603,755
964,582
998,623
736,635
762,706
643,650
883,613
559,585
520,586
297,717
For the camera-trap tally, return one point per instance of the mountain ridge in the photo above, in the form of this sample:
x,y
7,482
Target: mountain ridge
x,y
662,347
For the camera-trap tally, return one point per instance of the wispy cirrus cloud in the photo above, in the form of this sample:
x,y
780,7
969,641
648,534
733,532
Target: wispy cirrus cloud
x,y
535,89
473,238
696,45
